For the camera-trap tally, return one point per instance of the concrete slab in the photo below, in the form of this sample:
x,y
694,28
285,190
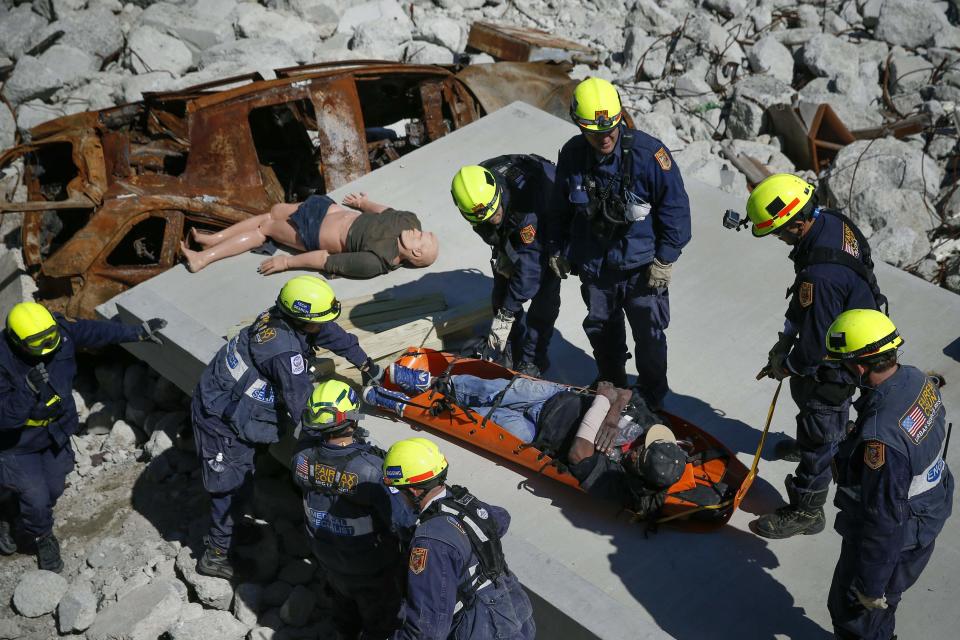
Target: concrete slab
x,y
601,576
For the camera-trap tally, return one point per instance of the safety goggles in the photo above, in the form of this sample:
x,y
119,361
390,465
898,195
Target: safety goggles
x,y
603,122
43,342
326,418
301,310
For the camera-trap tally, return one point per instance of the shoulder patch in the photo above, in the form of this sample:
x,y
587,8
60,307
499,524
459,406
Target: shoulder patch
x,y
663,159
297,365
806,294
303,467
850,244
528,233
919,418
456,524
265,335
874,454
418,560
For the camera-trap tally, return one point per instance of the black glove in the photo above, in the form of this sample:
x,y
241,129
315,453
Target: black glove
x,y
776,366
49,410
37,378
149,328
371,373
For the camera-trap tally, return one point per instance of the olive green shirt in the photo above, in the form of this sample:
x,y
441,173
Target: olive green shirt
x,y
372,244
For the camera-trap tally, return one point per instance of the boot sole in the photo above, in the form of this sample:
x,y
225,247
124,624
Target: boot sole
x,y
809,531
214,573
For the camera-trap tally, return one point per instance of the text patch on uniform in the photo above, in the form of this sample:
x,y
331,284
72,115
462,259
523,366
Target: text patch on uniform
x,y
297,365
528,233
265,335
663,159
919,418
418,559
806,294
874,455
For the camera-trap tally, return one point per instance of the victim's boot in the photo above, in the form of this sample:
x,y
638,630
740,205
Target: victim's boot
x,y
803,515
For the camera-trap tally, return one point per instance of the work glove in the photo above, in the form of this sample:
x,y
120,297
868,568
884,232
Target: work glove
x,y
658,275
149,329
37,378
870,603
500,330
776,367
49,410
371,373
560,266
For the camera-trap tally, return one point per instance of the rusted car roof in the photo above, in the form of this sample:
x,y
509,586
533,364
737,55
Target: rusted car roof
x,y
112,192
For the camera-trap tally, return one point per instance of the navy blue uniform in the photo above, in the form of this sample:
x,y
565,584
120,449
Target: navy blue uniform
x,y
257,381
821,292
355,525
612,258
520,262
448,595
895,494
35,451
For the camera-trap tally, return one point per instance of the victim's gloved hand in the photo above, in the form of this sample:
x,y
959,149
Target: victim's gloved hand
x,y
500,330
37,378
658,275
870,603
559,265
371,373
149,329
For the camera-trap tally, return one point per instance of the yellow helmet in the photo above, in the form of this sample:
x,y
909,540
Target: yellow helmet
x,y
476,192
776,200
32,328
414,462
309,299
596,105
859,335
332,405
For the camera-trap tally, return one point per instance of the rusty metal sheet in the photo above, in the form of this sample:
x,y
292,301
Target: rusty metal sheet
x,y
545,86
520,44
341,144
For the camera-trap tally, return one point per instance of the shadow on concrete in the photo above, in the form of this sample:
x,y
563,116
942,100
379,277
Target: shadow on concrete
x,y
952,350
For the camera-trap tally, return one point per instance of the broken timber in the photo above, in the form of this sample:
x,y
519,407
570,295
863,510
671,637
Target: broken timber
x,y
517,44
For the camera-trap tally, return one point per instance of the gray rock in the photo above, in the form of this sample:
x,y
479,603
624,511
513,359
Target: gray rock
x,y
167,395
641,47
420,52
870,12
135,86
829,56
692,85
660,126
903,242
948,38
38,592
150,50
707,33
36,112
96,31
158,444
77,609
768,155
200,26
651,18
9,629
384,39
31,79
137,410
110,379
20,29
191,611
727,8
212,624
102,91
215,593
795,37
852,115
8,128
123,437
952,279
751,97
377,11
247,603
322,14
909,23
441,30
250,54
699,163
275,594
909,72
108,552
769,56
298,571
256,21
298,607
263,633
144,614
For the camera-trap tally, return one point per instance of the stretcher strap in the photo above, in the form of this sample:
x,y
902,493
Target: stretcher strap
x,y
497,400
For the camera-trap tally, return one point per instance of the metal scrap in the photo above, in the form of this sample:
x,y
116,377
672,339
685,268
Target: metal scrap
x,y
520,44
113,192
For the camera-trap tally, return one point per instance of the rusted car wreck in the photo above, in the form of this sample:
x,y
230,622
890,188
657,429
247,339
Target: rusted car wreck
x,y
112,192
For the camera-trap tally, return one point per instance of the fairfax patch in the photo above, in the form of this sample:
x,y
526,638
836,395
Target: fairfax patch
x,y
418,560
850,244
265,335
806,294
297,365
919,418
528,233
663,159
303,468
874,454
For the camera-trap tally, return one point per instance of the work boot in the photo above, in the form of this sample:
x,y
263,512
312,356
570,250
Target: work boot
x,y
215,563
48,553
7,544
386,399
787,449
413,381
528,369
804,515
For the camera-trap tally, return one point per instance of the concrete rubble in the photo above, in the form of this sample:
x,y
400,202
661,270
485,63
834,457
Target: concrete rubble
x,y
701,76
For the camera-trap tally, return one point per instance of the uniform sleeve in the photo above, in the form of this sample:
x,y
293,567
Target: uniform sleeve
x,y
291,382
525,282
672,221
432,593
333,337
16,402
813,321
558,204
356,264
883,494
501,517
93,334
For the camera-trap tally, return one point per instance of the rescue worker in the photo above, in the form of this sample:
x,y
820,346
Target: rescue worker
x,y
505,200
458,583
895,491
623,218
353,520
256,386
38,416
834,272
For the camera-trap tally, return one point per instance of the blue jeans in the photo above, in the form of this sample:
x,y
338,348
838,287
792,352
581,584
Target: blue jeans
x,y
519,408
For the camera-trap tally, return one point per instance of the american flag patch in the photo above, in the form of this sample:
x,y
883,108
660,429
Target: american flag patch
x,y
914,423
850,244
303,468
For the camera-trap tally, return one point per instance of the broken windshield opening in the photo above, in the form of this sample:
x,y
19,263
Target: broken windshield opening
x,y
285,148
52,167
141,246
